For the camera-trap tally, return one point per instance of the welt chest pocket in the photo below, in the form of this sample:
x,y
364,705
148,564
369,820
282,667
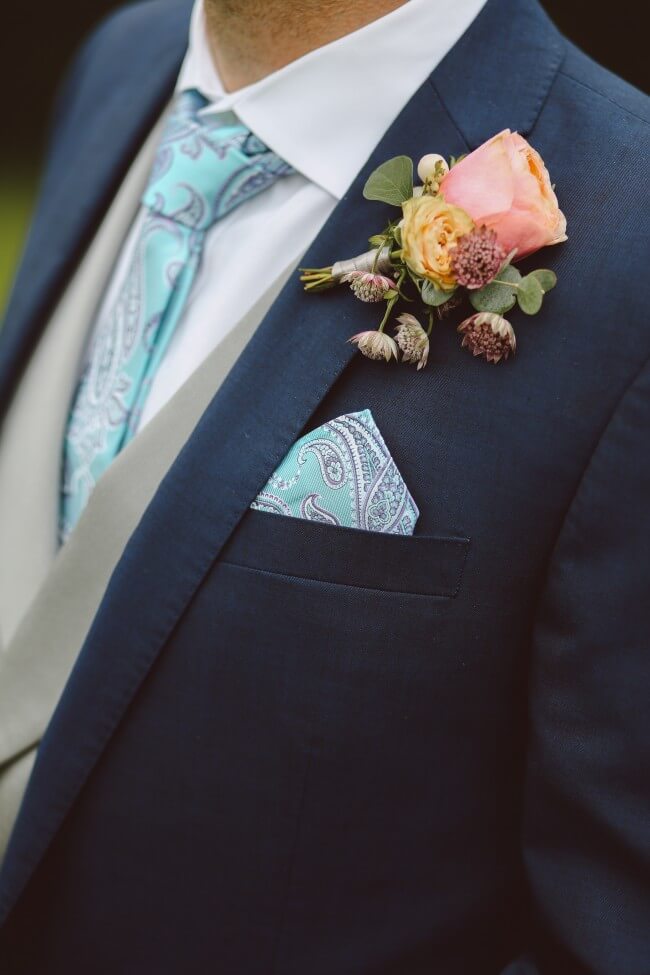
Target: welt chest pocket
x,y
421,565
324,593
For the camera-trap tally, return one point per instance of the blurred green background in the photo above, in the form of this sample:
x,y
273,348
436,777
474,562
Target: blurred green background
x,y
17,184
38,41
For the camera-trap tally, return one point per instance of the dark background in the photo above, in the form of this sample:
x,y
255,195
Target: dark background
x,y
37,40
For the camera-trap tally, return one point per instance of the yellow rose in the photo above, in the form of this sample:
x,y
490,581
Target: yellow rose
x,y
430,231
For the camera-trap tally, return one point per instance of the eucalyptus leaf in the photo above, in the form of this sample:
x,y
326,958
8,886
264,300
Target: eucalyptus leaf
x,y
392,182
433,295
497,297
547,279
530,295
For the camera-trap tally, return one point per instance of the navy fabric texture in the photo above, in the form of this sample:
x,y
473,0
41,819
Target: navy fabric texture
x,y
292,749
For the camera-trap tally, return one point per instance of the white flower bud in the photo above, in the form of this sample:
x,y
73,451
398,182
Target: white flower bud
x,y
427,166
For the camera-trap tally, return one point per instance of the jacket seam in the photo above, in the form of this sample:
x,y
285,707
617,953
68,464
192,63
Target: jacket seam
x,y
605,97
447,112
584,473
551,85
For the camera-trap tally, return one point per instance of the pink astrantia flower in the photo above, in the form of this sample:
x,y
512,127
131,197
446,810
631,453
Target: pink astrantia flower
x,y
476,258
505,186
488,335
368,286
375,345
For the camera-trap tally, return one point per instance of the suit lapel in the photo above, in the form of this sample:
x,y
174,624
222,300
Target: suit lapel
x,y
104,127
295,357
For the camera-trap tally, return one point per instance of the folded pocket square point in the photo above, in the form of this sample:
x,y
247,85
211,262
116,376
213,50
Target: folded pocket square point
x,y
342,474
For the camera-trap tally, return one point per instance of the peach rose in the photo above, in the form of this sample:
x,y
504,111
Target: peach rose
x,y
505,185
430,230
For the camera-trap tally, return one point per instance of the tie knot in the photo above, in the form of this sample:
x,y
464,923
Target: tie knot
x,y
206,165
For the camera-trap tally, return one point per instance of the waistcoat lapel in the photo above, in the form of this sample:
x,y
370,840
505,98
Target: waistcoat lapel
x,y
496,76
35,422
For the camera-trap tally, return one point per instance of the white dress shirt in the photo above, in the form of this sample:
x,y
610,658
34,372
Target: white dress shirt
x,y
324,114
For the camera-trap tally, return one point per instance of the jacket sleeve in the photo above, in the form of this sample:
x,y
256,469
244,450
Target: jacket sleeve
x,y
587,805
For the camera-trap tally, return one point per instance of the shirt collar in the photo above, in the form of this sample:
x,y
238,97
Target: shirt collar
x,y
325,112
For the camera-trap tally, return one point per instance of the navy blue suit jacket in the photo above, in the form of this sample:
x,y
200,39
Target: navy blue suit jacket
x,y
290,748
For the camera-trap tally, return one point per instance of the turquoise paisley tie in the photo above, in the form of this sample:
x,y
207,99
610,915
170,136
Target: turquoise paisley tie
x,y
205,166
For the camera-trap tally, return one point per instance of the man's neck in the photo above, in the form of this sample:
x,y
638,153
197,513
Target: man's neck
x,y
250,39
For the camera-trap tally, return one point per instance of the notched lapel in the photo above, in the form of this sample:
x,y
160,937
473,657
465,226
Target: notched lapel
x,y
295,357
501,70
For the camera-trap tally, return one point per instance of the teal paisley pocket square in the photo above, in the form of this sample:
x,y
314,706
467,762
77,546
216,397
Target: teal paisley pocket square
x,y
342,474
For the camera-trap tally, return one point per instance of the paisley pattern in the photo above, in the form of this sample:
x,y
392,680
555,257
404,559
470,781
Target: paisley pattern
x,y
342,474
205,166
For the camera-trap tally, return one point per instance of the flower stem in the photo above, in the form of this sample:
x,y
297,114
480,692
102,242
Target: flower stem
x,y
389,307
317,279
399,283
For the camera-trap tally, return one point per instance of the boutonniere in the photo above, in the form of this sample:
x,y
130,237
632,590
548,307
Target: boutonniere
x,y
460,232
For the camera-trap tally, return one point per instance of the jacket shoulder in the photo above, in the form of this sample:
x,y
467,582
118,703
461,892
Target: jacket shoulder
x,y
124,25
123,34
131,34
